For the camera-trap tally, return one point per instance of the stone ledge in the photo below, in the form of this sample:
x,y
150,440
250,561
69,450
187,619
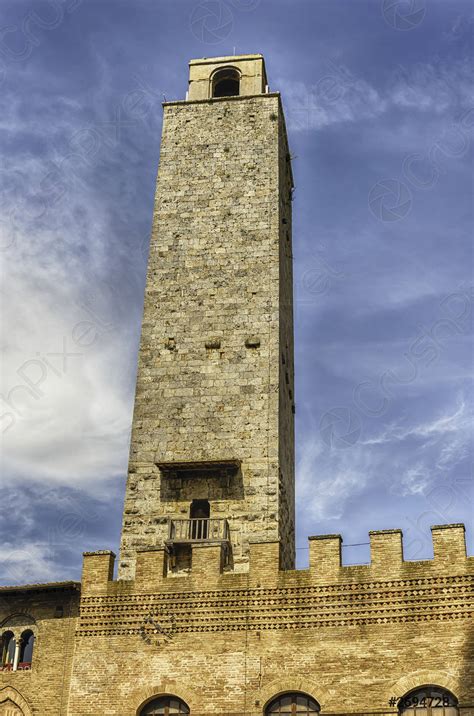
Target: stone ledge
x,y
385,532
210,100
224,58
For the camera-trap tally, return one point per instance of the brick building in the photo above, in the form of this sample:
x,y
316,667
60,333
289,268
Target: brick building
x,y
208,614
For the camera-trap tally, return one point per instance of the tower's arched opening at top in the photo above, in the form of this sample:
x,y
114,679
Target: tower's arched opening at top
x,y
226,83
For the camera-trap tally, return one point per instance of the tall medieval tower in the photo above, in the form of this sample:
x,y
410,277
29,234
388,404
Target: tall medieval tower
x,y
212,450
199,621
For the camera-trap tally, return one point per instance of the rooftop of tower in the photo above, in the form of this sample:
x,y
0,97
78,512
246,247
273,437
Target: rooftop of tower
x,y
226,58
228,75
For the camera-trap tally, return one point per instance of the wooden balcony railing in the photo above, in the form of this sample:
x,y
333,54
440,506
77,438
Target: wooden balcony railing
x,y
199,530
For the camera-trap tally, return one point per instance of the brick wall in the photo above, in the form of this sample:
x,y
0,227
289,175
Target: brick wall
x,y
45,688
351,637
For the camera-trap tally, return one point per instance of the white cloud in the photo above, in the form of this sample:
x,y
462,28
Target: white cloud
x,y
339,96
333,99
66,283
67,411
434,87
407,459
457,422
31,563
414,480
327,480
66,408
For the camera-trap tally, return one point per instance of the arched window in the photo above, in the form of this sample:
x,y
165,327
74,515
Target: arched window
x,y
428,701
26,651
8,648
291,704
164,706
226,83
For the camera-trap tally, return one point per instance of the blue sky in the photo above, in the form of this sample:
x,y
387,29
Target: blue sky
x,y
380,111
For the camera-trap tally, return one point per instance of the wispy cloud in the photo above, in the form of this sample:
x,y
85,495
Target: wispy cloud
x,y
69,267
340,96
334,99
434,87
27,564
406,459
80,127
457,422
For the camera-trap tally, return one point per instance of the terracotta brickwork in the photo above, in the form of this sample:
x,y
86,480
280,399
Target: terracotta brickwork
x,y
51,612
227,643
208,609
352,637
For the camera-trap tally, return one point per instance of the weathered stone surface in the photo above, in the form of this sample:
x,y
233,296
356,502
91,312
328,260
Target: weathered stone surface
x,y
215,375
215,389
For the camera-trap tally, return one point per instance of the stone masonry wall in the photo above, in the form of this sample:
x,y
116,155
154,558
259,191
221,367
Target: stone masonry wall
x,y
226,643
217,325
286,428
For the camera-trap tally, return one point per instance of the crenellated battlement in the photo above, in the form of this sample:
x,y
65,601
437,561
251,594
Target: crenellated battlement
x,y
207,571
389,590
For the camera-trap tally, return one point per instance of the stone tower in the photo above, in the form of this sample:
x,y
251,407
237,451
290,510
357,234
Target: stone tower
x,y
212,448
